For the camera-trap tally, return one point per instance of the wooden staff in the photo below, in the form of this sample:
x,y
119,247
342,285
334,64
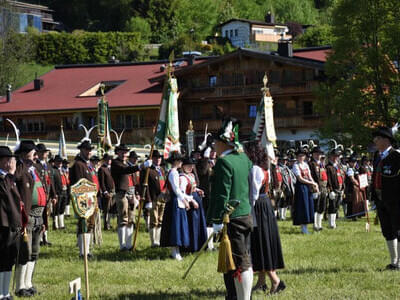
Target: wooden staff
x,y
146,178
367,225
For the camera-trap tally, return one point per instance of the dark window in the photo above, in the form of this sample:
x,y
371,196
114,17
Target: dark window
x,y
196,112
307,108
231,33
236,32
212,80
252,111
226,33
119,122
128,121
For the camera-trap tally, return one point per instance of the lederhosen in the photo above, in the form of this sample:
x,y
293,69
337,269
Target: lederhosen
x,y
63,197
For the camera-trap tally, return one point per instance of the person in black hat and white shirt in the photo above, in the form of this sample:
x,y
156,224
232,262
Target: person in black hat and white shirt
x,y
336,182
11,227
44,170
107,190
80,169
33,194
121,171
320,176
386,190
156,194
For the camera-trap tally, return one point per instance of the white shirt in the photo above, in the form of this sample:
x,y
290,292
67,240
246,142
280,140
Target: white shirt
x,y
173,179
297,166
184,181
256,178
385,153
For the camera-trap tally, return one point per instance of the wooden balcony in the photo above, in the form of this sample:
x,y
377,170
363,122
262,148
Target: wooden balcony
x,y
287,88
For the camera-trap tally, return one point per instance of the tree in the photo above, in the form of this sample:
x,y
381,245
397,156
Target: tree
x,y
141,26
362,82
317,36
15,49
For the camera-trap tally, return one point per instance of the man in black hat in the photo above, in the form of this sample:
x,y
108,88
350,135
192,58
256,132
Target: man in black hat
x,y
80,169
32,192
60,181
44,170
121,171
156,194
320,176
65,170
11,227
107,189
287,186
386,191
336,179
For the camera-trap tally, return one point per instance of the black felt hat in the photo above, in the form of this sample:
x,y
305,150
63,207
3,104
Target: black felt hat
x,y
5,152
58,158
121,147
385,132
41,148
229,132
156,154
26,147
317,149
133,154
94,158
85,145
188,161
174,156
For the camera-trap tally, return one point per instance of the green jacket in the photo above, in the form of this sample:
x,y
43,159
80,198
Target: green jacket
x,y
230,181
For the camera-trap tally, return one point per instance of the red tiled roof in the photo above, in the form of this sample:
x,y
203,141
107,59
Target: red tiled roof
x,y
318,54
62,86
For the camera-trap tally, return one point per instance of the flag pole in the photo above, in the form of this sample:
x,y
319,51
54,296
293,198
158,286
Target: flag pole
x,y
146,178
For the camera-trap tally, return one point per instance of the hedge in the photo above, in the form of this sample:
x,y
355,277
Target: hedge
x,y
88,47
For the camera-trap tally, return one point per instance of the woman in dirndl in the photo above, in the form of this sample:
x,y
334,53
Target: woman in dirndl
x,y
304,189
175,229
266,249
196,215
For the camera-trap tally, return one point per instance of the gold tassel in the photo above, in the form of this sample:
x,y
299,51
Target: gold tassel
x,y
25,236
225,258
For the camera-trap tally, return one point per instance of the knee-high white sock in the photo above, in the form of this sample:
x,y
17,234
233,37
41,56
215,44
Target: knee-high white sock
x,y
284,211
392,247
61,221
122,237
157,236
1,285
211,242
56,222
320,217
30,266
67,210
80,243
247,283
152,235
129,235
87,241
6,283
316,220
20,276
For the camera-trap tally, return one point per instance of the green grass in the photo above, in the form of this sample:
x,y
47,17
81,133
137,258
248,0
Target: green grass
x,y
28,72
345,263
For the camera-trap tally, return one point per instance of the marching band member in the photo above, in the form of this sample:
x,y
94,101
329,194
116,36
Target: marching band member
x,y
107,189
319,174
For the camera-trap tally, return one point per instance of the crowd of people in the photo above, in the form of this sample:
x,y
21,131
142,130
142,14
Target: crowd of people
x,y
185,198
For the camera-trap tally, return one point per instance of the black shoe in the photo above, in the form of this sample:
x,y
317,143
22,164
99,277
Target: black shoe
x,y
281,286
392,267
33,290
24,293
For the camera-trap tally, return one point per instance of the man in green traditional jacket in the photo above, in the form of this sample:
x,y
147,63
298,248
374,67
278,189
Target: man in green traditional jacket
x,y
230,182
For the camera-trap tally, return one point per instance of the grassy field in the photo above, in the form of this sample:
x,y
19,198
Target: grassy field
x,y
346,263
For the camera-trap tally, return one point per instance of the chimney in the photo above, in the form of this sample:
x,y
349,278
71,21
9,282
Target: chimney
x,y
8,93
38,84
285,48
190,56
269,18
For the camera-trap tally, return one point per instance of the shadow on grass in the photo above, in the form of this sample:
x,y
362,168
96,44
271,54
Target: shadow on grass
x,y
323,270
193,294
147,254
